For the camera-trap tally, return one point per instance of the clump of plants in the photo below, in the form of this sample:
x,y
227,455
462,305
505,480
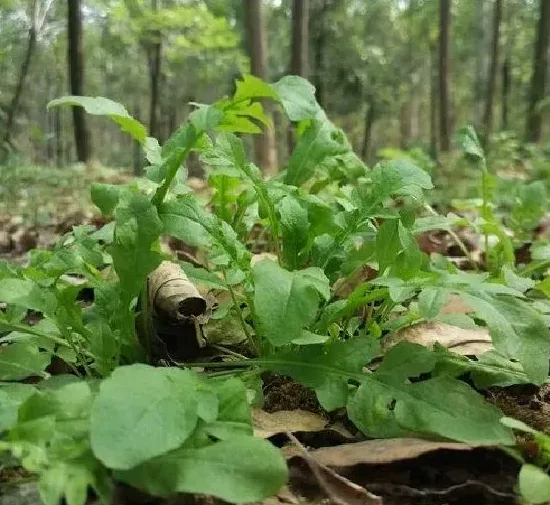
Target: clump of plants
x,y
117,418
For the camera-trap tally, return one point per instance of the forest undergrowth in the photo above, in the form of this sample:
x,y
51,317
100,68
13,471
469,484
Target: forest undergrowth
x,y
188,341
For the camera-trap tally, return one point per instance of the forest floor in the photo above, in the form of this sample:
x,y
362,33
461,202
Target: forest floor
x,y
329,461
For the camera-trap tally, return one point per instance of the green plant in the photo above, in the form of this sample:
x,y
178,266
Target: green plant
x,y
321,232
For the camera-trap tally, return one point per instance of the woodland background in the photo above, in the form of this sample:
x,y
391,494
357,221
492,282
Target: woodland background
x,y
392,73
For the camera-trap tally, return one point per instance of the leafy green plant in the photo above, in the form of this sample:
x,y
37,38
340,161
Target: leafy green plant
x,y
76,432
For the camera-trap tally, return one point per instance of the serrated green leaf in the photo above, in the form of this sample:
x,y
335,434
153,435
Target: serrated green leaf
x,y
440,406
320,140
517,282
100,106
326,368
285,302
388,244
250,86
238,470
431,301
517,330
295,228
297,96
142,412
469,143
399,178
11,397
183,219
137,227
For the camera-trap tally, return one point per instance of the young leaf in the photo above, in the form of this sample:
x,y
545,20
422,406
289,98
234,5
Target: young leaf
x,y
136,230
100,106
320,140
237,470
297,96
399,178
294,227
20,360
470,144
250,86
105,197
534,484
388,244
285,302
431,301
156,405
28,294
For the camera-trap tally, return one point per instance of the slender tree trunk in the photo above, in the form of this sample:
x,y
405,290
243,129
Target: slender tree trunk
x,y
444,107
492,80
76,74
433,103
13,107
154,58
300,49
370,117
319,43
264,143
506,86
540,69
404,125
478,13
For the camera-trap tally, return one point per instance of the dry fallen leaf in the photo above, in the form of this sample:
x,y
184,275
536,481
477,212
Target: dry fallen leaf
x,y
468,342
376,452
268,424
339,489
173,295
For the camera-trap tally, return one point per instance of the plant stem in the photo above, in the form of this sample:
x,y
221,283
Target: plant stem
x,y
161,191
456,238
251,340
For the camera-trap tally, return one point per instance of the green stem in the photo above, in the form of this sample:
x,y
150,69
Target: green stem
x,y
251,340
457,239
161,191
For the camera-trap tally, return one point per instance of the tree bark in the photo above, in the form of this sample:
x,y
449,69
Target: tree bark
x,y
506,87
319,43
13,107
491,83
444,105
433,102
540,69
370,117
300,49
154,58
492,79
76,74
264,144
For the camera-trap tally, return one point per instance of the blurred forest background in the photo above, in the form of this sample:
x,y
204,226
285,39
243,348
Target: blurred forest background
x,y
398,74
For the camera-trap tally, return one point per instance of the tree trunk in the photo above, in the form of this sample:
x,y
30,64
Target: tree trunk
x,y
444,106
370,117
319,43
76,74
506,86
404,125
491,84
16,99
154,58
264,144
540,68
433,103
300,49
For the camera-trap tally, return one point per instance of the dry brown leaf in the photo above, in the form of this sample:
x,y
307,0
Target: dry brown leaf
x,y
268,424
376,452
256,258
471,342
172,295
340,490
455,305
